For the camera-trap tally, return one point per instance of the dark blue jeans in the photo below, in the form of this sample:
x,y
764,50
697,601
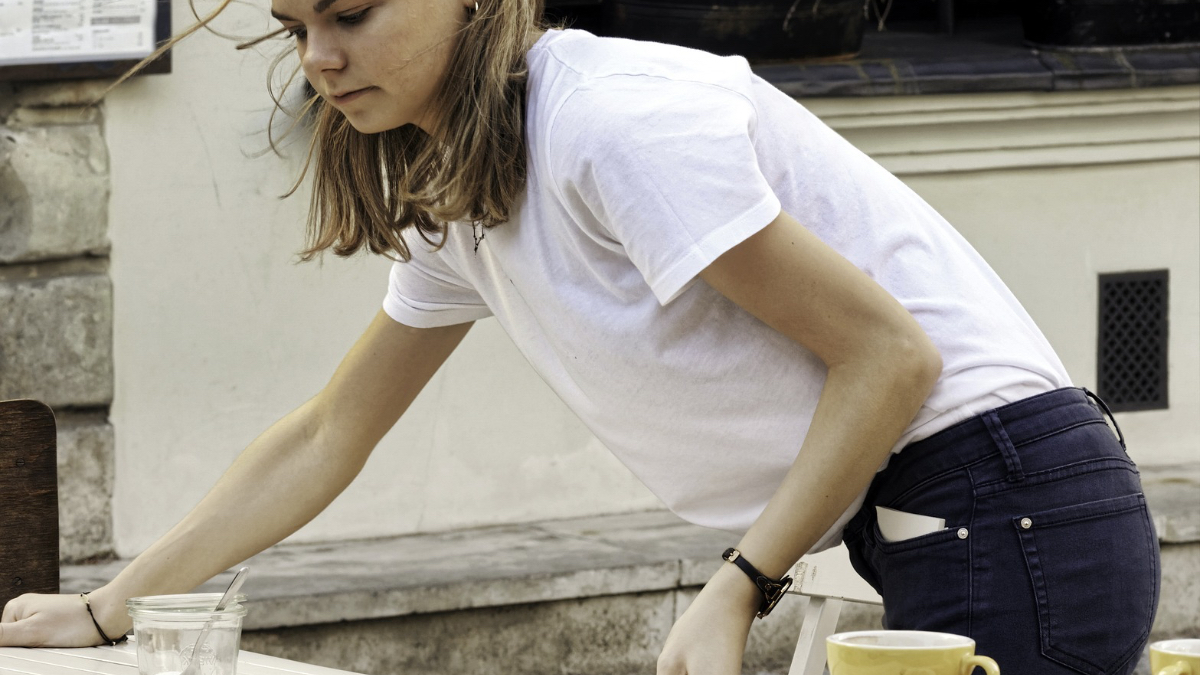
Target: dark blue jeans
x,y
1049,559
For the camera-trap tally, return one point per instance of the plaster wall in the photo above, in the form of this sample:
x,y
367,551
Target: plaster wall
x,y
1054,190
1049,233
217,332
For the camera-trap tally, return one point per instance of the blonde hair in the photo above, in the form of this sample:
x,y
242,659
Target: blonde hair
x,y
368,189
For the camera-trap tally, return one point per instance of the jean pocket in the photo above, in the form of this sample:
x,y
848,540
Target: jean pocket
x,y
914,543
923,580
1094,569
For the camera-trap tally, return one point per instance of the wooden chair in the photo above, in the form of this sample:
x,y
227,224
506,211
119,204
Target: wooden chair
x,y
828,580
28,500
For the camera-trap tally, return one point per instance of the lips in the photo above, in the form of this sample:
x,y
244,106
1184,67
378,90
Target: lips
x,y
349,95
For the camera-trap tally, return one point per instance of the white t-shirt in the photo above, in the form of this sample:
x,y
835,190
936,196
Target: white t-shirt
x,y
646,163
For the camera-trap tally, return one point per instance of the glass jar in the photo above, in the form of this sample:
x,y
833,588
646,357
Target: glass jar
x,y
166,628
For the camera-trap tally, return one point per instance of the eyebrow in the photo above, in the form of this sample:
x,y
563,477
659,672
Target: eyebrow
x,y
321,6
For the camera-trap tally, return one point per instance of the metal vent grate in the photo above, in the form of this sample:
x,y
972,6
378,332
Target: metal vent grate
x,y
1132,356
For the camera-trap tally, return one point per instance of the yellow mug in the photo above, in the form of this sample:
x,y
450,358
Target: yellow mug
x,y
1175,657
904,652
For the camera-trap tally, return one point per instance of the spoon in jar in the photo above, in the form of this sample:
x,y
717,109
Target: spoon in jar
x,y
193,666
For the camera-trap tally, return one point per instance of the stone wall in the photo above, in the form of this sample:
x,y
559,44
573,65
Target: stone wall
x,y
55,292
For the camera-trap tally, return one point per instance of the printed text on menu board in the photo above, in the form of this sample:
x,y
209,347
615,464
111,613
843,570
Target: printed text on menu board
x,y
68,31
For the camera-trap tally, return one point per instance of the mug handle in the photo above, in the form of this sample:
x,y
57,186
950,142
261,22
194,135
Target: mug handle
x,y
1179,668
970,662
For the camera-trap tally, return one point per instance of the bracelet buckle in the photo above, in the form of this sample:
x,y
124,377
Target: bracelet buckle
x,y
771,589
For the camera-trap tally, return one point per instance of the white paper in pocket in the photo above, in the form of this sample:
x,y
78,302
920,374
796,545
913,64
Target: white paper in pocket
x,y
899,525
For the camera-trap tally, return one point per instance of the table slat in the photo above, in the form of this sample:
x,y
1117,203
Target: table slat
x,y
36,664
261,664
117,657
122,660
94,660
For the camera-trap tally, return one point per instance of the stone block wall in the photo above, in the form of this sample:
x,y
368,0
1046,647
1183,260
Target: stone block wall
x,y
55,292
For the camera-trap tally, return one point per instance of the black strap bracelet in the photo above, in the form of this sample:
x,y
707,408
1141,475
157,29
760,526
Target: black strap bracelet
x,y
88,603
772,589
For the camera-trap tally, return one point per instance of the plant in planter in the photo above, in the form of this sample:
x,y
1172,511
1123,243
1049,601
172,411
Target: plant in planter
x,y
583,14
756,29
1110,23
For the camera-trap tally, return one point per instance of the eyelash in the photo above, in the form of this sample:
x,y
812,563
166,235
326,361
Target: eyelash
x,y
349,19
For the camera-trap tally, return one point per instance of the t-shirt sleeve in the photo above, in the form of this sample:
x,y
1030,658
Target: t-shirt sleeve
x,y
426,292
668,168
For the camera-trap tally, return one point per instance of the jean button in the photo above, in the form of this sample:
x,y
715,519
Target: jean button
x,y
1026,523
962,533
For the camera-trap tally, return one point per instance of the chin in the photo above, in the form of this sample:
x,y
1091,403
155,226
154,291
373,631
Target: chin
x,y
371,126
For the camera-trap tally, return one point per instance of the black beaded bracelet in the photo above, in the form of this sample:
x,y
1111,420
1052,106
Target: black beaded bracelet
x,y
88,603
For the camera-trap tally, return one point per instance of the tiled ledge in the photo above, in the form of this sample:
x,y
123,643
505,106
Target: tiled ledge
x,y
303,584
1174,496
308,584
963,133
987,58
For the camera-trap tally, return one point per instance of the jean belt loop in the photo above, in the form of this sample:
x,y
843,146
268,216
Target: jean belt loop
x,y
1104,407
991,419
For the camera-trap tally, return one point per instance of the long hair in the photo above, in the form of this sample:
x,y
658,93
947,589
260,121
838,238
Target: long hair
x,y
368,189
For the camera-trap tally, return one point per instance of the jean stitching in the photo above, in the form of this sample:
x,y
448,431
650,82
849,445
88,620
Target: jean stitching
x,y
1029,551
1000,438
1055,432
971,557
949,431
1074,470
1026,401
938,476
1156,565
1051,522
991,456
1137,645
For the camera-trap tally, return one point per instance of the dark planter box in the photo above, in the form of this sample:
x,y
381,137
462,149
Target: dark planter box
x,y
1110,23
756,29
582,14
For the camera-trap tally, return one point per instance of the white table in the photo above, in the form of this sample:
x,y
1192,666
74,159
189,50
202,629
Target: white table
x,y
122,660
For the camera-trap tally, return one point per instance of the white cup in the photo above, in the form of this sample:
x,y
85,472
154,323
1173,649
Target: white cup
x,y
1175,657
888,652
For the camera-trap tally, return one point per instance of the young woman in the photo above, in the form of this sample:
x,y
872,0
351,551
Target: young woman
x,y
751,314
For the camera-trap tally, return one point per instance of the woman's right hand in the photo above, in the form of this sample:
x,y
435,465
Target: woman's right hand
x,y
35,620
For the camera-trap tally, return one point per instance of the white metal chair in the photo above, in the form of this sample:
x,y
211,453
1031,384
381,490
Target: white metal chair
x,y
828,581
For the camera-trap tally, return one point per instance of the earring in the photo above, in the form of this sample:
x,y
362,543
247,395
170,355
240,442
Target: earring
x,y
476,6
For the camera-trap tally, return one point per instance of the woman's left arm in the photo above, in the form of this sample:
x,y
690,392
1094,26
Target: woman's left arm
x,y
881,367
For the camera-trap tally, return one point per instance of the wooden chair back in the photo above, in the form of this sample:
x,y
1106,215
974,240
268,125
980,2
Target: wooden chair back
x,y
28,500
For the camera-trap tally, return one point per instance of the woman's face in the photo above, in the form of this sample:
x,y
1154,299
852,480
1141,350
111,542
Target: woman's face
x,y
380,62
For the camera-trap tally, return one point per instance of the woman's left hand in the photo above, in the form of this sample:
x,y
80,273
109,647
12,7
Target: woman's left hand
x,y
710,637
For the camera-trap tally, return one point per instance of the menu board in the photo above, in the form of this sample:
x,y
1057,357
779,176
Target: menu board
x,y
65,33
49,31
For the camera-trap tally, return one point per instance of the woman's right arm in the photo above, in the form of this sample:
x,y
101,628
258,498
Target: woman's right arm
x,y
281,481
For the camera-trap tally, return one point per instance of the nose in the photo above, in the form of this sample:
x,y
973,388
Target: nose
x,y
322,53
